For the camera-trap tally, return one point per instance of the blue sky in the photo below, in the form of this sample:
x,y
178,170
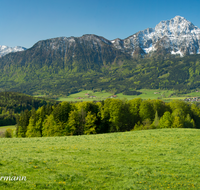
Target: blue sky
x,y
24,22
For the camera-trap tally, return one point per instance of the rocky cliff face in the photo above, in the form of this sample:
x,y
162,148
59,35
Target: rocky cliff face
x,y
72,53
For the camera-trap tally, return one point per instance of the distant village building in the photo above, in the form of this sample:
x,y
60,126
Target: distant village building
x,y
113,96
194,99
79,98
92,96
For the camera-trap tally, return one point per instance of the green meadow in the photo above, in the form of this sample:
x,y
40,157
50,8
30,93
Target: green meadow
x,y
165,95
3,128
151,159
146,94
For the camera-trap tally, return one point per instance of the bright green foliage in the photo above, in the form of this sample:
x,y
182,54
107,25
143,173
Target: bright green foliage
x,y
87,106
9,133
90,125
111,115
189,123
179,118
117,112
177,123
146,110
76,122
51,128
156,121
166,120
160,107
181,107
34,129
73,123
134,106
147,124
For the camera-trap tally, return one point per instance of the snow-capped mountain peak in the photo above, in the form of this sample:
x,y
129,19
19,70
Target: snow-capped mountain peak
x,y
5,49
177,36
174,36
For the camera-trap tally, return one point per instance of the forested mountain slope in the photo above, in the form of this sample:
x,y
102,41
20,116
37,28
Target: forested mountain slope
x,y
164,57
126,74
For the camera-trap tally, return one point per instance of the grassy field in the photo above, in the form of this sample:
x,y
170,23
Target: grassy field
x,y
165,95
146,94
84,97
152,159
3,128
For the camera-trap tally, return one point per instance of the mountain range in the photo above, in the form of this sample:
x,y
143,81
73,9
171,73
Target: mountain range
x,y
147,59
175,36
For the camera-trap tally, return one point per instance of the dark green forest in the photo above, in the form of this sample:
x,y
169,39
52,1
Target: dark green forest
x,y
111,115
13,103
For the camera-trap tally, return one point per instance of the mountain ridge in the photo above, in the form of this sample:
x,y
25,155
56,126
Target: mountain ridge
x,y
180,35
66,65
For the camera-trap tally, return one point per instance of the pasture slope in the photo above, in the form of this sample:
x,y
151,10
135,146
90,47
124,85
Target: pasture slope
x,y
151,159
165,95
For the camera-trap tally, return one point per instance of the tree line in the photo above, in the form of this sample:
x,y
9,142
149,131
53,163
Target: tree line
x,y
111,115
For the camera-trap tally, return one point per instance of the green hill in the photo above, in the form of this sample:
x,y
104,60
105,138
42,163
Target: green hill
x,y
152,159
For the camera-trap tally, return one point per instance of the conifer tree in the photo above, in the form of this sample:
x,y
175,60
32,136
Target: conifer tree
x,y
166,120
90,126
51,128
156,121
23,123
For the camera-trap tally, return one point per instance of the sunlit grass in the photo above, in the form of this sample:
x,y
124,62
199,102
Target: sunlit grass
x,y
3,128
152,159
165,95
146,94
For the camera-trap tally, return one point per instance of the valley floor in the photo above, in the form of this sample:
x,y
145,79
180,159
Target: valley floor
x,y
88,95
